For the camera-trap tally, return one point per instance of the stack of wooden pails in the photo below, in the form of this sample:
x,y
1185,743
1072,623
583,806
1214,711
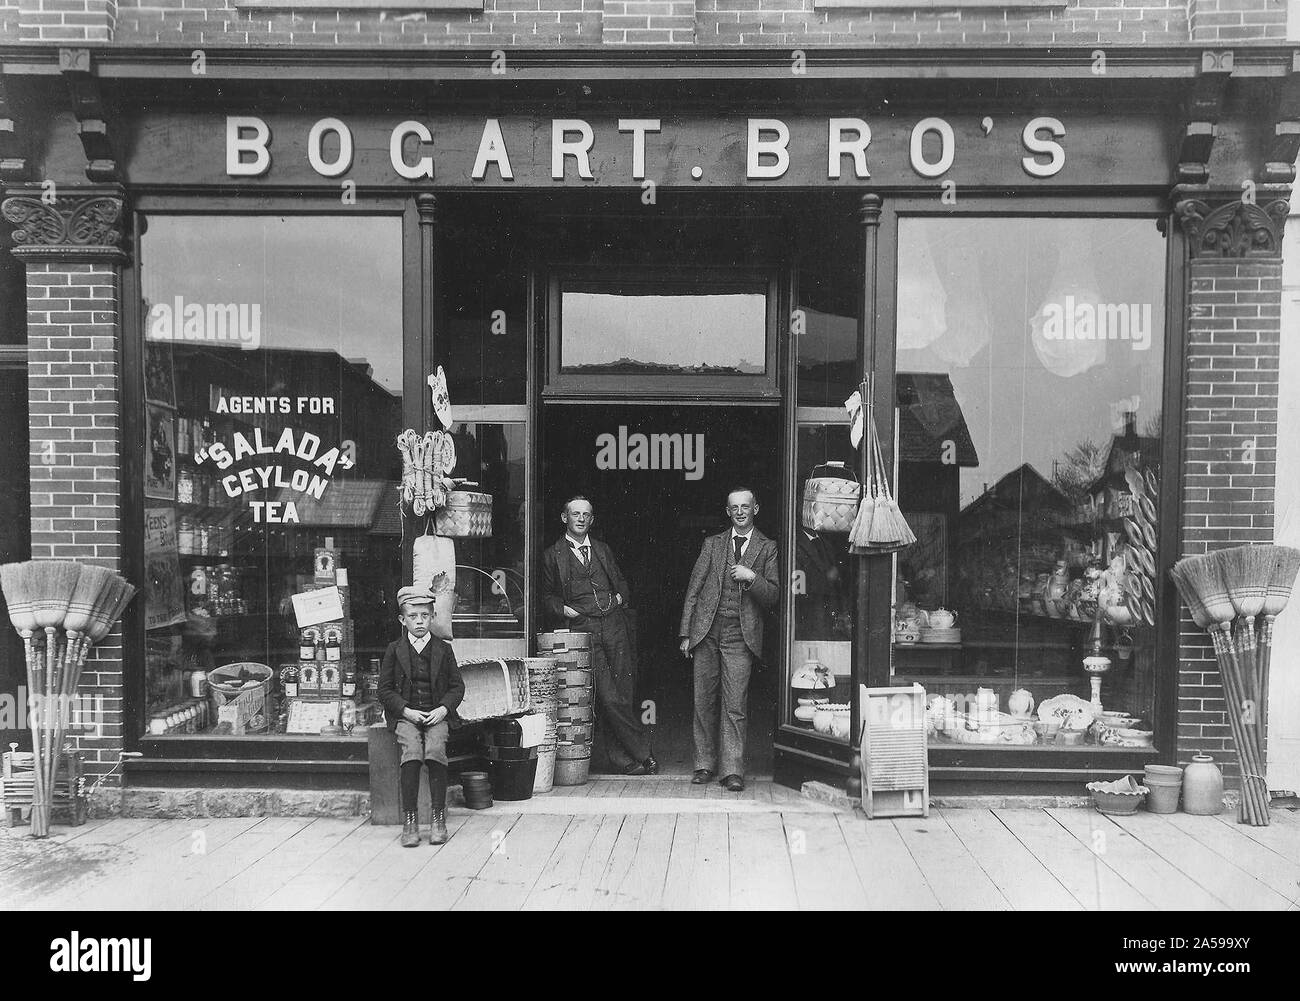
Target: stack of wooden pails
x,y
573,690
541,688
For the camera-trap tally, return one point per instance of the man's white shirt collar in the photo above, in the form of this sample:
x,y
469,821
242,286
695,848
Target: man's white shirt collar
x,y
420,643
574,543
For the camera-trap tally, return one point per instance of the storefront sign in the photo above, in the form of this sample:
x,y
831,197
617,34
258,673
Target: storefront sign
x,y
867,147
768,149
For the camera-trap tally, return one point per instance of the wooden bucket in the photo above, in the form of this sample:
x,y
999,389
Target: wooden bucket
x,y
574,733
571,771
572,678
558,642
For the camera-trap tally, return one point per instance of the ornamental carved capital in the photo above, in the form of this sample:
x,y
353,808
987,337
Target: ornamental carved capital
x,y
1233,229
69,224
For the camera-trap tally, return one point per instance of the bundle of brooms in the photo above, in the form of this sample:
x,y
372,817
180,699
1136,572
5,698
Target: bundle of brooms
x,y
60,609
879,526
1236,595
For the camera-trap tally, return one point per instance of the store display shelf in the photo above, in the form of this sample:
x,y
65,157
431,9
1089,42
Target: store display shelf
x,y
928,646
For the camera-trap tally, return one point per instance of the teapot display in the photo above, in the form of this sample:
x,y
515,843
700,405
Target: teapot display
x,y
1021,703
940,618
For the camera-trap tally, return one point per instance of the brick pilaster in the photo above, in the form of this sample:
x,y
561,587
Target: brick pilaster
x,y
74,401
1234,308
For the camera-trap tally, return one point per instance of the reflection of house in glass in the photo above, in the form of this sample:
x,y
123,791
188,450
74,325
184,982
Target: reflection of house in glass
x,y
934,445
1010,531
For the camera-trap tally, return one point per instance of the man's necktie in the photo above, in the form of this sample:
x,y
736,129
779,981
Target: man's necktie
x,y
740,544
586,560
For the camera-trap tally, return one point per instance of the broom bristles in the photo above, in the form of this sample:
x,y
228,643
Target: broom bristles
x,y
1245,571
1193,600
54,581
106,614
91,583
18,595
1281,578
1203,575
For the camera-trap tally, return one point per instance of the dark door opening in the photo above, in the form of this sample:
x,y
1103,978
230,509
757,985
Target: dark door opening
x,y
654,520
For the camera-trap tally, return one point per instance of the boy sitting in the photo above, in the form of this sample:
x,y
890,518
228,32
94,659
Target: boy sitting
x,y
420,687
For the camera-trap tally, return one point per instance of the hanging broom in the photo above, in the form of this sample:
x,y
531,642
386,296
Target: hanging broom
x,y
19,591
1200,582
1281,578
889,529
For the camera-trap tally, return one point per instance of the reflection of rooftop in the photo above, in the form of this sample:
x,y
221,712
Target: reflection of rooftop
x,y
1022,489
345,504
928,416
233,357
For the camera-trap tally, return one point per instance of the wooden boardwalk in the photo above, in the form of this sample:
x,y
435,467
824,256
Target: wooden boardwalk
x,y
660,843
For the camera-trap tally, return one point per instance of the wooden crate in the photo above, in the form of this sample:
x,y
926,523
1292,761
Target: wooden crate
x,y
895,752
16,787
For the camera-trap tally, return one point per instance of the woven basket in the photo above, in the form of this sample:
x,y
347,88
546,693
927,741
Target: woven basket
x,y
468,515
830,503
493,688
226,690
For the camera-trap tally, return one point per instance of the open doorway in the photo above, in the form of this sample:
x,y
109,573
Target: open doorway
x,y
655,520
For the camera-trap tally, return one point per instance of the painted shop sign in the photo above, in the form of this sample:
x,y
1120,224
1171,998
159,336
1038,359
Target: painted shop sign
x,y
262,454
767,148
401,152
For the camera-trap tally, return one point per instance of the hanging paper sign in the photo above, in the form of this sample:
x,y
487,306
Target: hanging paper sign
x,y
164,590
311,608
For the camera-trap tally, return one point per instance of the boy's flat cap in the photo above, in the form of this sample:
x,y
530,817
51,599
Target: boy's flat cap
x,y
414,596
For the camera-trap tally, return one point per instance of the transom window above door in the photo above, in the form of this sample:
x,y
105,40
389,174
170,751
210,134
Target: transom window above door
x,y
673,336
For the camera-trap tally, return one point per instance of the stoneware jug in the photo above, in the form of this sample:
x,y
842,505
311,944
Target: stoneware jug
x,y
1202,787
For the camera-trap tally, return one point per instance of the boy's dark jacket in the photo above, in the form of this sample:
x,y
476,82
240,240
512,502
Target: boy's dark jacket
x,y
395,679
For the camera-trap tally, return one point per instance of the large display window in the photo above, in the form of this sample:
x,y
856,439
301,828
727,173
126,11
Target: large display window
x,y
1029,391
272,374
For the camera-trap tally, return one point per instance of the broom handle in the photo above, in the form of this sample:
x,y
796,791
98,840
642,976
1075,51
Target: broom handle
x,y
1253,810
1223,649
34,657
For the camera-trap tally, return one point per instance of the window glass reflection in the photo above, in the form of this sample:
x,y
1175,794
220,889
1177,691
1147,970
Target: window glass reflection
x,y
1029,391
667,334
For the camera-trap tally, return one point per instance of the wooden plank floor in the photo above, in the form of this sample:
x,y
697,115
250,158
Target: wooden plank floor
x,y
658,842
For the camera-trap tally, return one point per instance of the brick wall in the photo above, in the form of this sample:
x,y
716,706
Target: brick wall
x,y
1233,344
65,20
1234,20
540,23
785,23
72,312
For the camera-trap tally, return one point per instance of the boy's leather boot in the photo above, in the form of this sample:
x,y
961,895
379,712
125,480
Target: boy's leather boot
x,y
410,831
438,832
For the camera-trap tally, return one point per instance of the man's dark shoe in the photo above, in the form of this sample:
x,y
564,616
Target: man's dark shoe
x,y
701,776
438,832
648,767
734,783
410,831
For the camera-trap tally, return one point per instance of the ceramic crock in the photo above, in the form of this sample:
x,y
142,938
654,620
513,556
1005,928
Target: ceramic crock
x,y
1202,787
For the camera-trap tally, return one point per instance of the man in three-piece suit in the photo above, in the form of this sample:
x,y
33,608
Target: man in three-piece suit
x,y
734,581
820,605
586,591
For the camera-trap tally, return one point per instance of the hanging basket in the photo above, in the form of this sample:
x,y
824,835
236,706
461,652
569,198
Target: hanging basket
x,y
830,502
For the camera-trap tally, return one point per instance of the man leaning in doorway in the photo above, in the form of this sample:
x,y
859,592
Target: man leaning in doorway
x,y
585,588
733,583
